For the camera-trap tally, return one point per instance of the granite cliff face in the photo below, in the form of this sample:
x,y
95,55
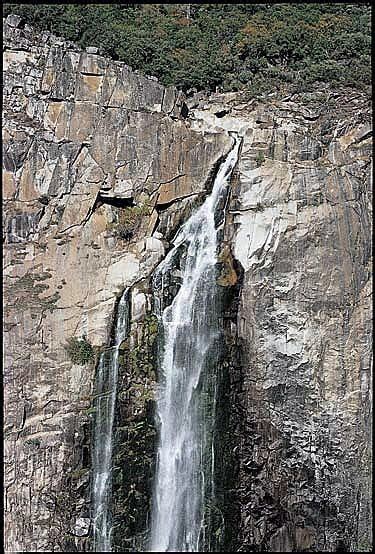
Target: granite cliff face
x,y
101,167
94,157
299,224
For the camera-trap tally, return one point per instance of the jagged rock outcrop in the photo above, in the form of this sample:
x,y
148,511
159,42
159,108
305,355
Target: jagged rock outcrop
x,y
101,166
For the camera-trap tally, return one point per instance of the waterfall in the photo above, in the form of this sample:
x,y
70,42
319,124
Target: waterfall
x,y
186,393
104,415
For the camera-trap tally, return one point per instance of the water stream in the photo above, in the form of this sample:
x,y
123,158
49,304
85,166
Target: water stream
x,y
184,477
103,433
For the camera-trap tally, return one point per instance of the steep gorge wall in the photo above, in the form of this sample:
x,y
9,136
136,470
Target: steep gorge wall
x,y
101,166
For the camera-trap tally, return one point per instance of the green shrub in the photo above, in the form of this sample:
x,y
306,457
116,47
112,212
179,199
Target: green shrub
x,y
128,220
260,159
79,351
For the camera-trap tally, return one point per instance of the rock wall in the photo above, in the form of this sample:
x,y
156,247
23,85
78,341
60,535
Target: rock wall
x,y
101,166
299,224
95,157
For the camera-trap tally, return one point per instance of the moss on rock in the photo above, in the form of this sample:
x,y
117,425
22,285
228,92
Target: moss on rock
x,y
134,436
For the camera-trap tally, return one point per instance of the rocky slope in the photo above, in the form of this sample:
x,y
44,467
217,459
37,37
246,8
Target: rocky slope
x,y
101,166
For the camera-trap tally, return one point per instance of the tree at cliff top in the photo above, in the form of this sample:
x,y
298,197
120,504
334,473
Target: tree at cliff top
x,y
261,47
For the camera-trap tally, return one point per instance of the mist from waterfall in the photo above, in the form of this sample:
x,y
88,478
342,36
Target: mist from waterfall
x,y
184,477
104,405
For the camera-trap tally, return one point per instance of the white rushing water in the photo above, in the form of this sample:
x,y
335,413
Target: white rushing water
x,y
103,433
190,329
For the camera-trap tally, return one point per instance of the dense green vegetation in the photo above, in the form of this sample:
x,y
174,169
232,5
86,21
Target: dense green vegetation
x,y
258,47
79,351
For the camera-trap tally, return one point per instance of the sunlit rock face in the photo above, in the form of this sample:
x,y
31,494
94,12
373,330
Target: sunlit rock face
x,y
299,223
95,155
101,168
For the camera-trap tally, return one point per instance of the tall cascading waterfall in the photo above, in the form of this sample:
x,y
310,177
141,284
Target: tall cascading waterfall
x,y
103,432
186,395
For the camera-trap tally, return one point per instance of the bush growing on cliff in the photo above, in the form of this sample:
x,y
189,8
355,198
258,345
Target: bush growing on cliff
x,y
258,47
128,220
79,351
260,159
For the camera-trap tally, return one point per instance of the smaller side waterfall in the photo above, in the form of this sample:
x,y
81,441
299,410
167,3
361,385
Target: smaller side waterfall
x,y
103,432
